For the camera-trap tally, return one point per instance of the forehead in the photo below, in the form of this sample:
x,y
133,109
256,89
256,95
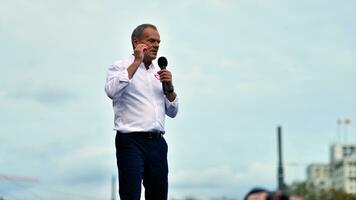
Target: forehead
x,y
150,32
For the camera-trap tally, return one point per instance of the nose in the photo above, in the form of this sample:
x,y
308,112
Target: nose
x,y
156,44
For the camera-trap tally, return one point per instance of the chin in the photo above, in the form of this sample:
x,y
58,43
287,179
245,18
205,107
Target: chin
x,y
153,57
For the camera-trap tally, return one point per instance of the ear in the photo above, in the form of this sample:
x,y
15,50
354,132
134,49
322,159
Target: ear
x,y
135,42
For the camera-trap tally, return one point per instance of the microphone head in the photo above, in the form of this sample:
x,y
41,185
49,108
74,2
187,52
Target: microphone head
x,y
162,62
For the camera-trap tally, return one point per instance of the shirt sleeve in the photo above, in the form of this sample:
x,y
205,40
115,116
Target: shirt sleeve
x,y
117,79
171,107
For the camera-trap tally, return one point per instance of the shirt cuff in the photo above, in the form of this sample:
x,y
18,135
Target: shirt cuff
x,y
173,103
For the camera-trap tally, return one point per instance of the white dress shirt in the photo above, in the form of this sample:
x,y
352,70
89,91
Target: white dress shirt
x,y
139,104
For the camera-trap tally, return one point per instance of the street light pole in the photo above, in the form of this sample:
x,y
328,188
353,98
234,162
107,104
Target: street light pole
x,y
281,185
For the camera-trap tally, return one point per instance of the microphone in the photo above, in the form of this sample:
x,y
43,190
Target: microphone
x,y
162,63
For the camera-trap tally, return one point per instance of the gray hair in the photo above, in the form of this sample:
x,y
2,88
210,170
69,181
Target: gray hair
x,y
138,31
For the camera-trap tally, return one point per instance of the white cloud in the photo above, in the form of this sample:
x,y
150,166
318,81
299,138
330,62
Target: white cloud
x,y
224,176
216,181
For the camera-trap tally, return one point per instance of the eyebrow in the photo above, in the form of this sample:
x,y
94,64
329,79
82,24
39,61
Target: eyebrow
x,y
158,40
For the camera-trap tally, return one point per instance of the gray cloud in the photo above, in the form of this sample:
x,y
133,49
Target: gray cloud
x,y
93,176
47,95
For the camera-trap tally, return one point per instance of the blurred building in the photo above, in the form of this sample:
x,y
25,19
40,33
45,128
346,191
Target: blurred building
x,y
343,167
341,151
319,176
339,174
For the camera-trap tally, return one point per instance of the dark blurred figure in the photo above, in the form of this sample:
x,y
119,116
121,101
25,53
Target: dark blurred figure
x,y
263,194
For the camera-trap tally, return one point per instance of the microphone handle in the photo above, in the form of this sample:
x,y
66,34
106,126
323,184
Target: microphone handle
x,y
164,85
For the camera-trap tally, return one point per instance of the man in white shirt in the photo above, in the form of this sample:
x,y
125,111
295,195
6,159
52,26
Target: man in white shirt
x,y
140,106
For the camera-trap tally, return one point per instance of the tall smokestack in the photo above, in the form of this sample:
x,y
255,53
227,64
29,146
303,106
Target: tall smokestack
x,y
281,185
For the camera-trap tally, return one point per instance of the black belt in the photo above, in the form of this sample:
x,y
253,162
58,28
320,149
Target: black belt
x,y
147,134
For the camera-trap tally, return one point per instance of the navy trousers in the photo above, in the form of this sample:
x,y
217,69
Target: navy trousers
x,y
141,159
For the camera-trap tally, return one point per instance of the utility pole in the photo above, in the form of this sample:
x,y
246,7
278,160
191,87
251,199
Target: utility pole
x,y
347,122
339,136
281,185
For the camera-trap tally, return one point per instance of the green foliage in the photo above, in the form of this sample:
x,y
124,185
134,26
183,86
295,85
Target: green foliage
x,y
301,189
190,198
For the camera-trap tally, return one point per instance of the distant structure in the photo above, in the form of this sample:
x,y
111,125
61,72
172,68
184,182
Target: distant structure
x,y
343,123
343,167
319,177
339,174
281,184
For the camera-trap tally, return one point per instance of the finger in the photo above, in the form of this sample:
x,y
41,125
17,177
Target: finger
x,y
141,47
161,71
165,76
166,79
164,72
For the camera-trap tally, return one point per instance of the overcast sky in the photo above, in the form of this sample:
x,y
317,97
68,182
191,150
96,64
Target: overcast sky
x,y
240,68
